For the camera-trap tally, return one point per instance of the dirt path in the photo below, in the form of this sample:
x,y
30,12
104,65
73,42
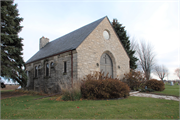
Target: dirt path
x,y
10,87
167,97
6,94
9,94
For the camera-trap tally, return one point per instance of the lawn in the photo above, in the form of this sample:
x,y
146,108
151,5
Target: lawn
x,y
170,90
2,91
25,107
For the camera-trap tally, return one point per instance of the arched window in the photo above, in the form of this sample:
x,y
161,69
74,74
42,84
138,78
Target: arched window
x,y
36,69
52,64
39,70
47,69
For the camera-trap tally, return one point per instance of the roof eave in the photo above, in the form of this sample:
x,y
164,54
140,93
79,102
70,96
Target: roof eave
x,y
50,56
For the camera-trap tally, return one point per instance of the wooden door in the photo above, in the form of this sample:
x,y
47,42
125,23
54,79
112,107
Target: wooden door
x,y
106,65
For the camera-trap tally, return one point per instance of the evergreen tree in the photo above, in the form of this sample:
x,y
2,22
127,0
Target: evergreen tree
x,y
12,63
121,33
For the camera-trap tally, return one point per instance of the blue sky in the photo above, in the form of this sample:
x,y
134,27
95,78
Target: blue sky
x,y
155,22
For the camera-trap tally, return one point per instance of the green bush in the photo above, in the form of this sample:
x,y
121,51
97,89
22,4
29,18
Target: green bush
x,y
135,80
155,85
98,86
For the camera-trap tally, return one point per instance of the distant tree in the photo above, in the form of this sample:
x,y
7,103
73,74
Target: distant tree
x,y
161,71
177,72
146,58
12,63
121,33
134,44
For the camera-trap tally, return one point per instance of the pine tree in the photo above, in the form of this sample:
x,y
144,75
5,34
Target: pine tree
x,y
121,33
12,63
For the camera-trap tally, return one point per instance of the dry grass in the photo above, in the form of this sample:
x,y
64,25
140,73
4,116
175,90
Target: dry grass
x,y
71,93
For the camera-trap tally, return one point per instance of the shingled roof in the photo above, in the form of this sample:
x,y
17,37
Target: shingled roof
x,y
67,42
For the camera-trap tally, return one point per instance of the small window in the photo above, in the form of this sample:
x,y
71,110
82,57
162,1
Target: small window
x,y
106,35
39,67
65,66
36,68
47,69
52,64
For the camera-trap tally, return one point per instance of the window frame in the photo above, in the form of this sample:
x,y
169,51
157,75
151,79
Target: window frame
x,y
52,64
65,67
36,72
47,69
106,34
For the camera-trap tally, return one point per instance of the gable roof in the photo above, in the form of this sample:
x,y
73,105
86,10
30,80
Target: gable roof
x,y
65,43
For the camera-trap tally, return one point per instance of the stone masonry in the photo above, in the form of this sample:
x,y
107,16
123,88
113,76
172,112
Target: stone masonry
x,y
42,42
86,59
56,79
90,51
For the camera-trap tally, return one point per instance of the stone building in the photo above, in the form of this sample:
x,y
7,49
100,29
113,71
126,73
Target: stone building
x,y
65,60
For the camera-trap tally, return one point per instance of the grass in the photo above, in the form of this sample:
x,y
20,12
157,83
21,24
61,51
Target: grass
x,y
2,91
170,90
25,107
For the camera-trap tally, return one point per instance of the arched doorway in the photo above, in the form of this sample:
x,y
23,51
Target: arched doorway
x,y
106,65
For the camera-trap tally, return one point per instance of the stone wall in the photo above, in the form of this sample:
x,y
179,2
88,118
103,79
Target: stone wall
x,y
91,49
57,79
85,60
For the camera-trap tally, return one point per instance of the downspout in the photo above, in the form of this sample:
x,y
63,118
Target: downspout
x,y
72,68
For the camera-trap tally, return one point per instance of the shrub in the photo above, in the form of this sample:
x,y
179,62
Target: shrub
x,y
155,85
71,93
98,86
135,80
3,85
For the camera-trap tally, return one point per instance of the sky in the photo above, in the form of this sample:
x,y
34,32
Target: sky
x,y
155,22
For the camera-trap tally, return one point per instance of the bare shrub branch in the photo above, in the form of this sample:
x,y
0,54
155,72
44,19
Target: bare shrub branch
x,y
134,44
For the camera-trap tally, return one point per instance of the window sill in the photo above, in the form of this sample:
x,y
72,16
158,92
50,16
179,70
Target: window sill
x,y
46,77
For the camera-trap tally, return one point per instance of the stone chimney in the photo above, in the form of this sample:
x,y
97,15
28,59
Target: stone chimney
x,y
42,42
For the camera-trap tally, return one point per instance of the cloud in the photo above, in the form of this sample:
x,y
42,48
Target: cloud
x,y
155,22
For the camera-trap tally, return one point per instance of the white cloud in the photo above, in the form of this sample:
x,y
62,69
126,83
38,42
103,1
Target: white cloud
x,y
161,30
154,22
